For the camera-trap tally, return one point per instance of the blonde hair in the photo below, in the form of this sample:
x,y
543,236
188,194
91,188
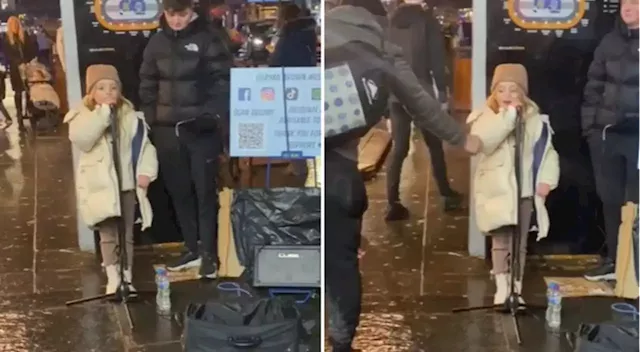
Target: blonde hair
x,y
90,103
14,28
529,105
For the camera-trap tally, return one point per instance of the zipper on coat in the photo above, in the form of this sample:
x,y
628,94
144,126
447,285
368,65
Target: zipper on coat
x,y
174,46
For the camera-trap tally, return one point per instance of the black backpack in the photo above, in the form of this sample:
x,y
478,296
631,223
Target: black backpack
x,y
608,337
359,68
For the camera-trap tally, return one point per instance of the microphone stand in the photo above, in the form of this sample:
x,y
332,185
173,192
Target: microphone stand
x,y
512,304
122,294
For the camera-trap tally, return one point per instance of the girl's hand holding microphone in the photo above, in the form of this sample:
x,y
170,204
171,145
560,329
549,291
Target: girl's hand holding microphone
x,y
104,111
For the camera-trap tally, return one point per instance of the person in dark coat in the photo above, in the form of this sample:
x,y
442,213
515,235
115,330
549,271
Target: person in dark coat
x,y
19,49
610,124
184,88
297,39
414,28
345,193
296,47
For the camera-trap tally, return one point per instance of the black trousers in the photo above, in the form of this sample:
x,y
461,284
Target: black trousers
x,y
189,167
614,158
345,204
401,134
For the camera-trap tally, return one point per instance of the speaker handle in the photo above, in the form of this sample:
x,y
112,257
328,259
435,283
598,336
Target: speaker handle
x,y
244,341
273,292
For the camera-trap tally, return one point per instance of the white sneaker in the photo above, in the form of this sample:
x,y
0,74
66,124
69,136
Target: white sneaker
x,y
518,288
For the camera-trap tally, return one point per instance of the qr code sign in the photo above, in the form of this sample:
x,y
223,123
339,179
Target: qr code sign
x,y
251,135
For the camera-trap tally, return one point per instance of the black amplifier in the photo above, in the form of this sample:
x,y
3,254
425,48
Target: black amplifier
x,y
287,266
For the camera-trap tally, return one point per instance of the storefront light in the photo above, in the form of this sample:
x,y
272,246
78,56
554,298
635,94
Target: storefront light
x,y
257,41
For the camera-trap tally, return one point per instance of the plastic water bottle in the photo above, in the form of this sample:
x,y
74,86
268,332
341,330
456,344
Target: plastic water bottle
x,y
554,307
163,297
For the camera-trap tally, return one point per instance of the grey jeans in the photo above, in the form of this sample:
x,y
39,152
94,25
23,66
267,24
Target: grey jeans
x,y
501,241
109,239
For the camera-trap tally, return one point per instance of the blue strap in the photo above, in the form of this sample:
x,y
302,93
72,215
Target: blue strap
x,y
625,309
233,287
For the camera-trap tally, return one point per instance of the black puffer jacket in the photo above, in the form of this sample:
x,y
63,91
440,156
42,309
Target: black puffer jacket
x,y
611,94
185,75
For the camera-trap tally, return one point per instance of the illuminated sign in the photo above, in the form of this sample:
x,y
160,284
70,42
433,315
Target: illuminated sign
x,y
546,14
128,15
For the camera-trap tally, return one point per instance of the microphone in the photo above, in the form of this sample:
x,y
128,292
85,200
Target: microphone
x,y
519,113
519,110
113,116
113,111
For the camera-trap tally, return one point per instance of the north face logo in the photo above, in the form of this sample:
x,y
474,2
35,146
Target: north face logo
x,y
371,88
192,47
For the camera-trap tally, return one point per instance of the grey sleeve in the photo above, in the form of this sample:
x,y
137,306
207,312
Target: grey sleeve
x,y
424,109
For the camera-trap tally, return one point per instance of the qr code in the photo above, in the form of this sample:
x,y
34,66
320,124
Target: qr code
x,y
251,135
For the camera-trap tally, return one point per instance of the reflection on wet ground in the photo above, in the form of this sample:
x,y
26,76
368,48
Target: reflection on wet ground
x,y
41,266
415,272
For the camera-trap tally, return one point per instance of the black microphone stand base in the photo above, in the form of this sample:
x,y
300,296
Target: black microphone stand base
x,y
117,297
511,306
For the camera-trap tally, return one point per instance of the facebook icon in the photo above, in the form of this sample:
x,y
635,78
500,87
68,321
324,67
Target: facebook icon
x,y
244,94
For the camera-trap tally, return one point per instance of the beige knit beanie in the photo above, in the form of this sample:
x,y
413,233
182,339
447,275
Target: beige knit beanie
x,y
515,73
99,72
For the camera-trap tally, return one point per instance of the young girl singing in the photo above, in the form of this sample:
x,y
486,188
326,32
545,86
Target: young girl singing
x,y
494,183
96,180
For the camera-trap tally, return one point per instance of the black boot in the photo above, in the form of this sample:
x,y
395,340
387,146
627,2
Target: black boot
x,y
17,99
452,201
396,212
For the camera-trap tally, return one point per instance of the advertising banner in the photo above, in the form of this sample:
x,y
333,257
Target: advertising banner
x,y
275,112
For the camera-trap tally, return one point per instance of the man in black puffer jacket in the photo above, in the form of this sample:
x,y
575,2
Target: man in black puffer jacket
x,y
184,89
610,123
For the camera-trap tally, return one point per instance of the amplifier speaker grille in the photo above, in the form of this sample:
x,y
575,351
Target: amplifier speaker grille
x,y
287,266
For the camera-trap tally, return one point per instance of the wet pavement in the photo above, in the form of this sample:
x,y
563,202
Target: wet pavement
x,y
415,272
41,267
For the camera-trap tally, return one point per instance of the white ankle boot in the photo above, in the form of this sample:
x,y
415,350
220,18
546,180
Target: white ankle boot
x,y
518,287
128,276
113,279
502,289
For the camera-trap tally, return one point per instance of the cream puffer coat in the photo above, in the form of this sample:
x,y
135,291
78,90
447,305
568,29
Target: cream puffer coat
x,y
494,183
96,182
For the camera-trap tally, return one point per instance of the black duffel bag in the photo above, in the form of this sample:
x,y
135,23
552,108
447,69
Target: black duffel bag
x,y
608,337
266,325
